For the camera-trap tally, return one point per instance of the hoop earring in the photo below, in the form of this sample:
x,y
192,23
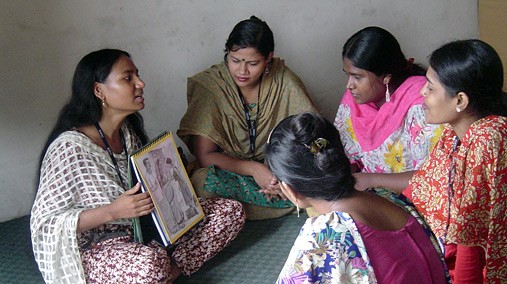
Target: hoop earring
x,y
388,95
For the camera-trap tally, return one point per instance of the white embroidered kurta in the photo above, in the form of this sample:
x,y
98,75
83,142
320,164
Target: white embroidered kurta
x,y
76,174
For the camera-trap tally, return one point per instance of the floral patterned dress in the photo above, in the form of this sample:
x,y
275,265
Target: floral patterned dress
x,y
330,249
462,191
391,139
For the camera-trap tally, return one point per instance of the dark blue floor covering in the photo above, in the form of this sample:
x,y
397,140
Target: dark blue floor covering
x,y
256,256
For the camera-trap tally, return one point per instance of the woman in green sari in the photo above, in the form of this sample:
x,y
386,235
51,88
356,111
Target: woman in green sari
x,y
232,107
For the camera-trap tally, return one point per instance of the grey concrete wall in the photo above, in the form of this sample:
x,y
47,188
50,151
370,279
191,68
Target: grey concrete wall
x,y
42,41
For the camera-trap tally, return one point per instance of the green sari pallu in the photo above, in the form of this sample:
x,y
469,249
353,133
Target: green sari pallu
x,y
242,188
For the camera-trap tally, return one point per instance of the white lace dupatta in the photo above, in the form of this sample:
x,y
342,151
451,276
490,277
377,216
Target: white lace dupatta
x,y
76,174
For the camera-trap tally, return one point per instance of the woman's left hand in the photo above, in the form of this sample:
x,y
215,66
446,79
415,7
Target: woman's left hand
x,y
363,181
262,175
268,183
131,204
128,205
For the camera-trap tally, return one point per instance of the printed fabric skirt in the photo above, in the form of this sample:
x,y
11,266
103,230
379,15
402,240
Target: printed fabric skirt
x,y
121,260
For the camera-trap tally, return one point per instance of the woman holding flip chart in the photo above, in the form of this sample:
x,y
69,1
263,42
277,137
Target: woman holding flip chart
x,y
81,222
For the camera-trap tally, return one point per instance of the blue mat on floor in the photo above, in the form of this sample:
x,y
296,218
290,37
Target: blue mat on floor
x,y
18,264
256,256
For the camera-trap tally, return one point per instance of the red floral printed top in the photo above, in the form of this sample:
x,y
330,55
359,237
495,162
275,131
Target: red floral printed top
x,y
469,177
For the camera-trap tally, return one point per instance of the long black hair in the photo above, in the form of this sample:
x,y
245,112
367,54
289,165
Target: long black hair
x,y
83,107
252,32
323,174
376,50
473,67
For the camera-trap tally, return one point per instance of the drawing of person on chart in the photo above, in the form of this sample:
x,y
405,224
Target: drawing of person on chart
x,y
183,191
150,177
171,204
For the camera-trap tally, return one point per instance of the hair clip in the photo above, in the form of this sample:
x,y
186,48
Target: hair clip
x,y
317,145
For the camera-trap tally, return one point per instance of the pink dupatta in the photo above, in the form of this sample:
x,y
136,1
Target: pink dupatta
x,y
372,126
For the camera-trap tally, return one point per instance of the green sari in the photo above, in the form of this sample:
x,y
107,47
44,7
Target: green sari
x,y
215,111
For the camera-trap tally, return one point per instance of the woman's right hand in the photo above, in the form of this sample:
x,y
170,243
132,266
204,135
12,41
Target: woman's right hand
x,y
363,181
395,182
131,204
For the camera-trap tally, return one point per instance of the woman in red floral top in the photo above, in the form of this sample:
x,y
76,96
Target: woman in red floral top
x,y
462,188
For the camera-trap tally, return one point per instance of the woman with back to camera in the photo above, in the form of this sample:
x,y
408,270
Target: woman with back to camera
x,y
359,237
232,106
81,221
462,189
381,117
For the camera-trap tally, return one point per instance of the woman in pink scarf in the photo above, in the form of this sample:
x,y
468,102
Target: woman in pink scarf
x,y
381,118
